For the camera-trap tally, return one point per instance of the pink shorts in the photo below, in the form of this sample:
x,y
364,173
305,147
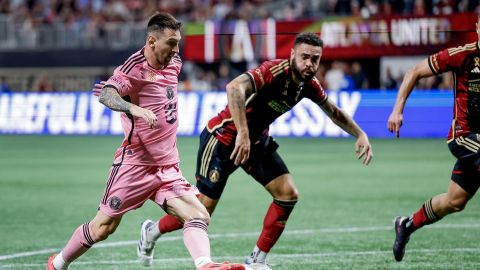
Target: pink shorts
x,y
129,186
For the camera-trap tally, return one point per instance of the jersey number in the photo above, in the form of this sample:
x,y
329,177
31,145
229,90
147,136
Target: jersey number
x,y
171,113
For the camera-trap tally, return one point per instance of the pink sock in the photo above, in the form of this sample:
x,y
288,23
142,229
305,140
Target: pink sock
x,y
195,237
79,243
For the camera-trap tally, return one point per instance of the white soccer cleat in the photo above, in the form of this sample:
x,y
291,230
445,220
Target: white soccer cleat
x,y
145,246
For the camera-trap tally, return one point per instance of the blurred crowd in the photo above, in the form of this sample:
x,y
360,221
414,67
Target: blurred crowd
x,y
92,14
83,11
334,76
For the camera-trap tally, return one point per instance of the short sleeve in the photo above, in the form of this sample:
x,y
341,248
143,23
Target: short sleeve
x,y
316,92
121,82
261,76
445,60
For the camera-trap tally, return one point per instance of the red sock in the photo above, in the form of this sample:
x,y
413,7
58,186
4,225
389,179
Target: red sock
x,y
169,223
274,223
424,216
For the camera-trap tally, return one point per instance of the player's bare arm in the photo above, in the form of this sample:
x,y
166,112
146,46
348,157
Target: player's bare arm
x,y
237,92
421,70
363,149
111,99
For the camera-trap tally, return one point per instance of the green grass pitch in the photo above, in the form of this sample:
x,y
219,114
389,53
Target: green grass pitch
x,y
50,185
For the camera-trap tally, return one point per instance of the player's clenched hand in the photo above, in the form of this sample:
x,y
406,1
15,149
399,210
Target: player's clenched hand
x,y
241,152
147,115
97,88
395,121
363,149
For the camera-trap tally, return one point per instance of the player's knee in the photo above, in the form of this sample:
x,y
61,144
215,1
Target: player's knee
x,y
289,194
201,214
457,205
102,232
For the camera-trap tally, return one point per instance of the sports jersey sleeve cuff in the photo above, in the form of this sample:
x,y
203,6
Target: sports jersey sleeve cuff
x,y
252,81
112,86
323,101
431,65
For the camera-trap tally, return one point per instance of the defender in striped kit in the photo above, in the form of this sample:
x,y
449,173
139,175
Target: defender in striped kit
x,y
145,166
463,137
238,137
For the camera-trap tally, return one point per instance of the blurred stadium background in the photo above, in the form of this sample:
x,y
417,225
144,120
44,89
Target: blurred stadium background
x,y
57,141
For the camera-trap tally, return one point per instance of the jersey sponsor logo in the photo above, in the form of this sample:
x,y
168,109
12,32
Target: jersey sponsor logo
x,y
115,203
279,106
170,92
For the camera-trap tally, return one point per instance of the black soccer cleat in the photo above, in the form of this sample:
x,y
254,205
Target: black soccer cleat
x,y
402,235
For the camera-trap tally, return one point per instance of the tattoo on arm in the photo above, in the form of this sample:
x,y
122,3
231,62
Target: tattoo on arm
x,y
111,99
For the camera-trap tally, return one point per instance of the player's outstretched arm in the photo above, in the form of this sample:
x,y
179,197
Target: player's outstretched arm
x,y
363,149
237,92
111,99
421,70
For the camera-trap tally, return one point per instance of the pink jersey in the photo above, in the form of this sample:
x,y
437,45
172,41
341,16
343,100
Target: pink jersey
x,y
156,90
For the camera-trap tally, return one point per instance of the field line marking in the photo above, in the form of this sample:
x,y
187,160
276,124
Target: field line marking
x,y
273,257
245,234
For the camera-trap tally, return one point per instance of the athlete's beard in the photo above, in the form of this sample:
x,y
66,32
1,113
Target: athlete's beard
x,y
297,73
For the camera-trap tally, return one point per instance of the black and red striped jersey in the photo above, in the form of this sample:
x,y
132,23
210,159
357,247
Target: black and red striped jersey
x,y
464,63
274,93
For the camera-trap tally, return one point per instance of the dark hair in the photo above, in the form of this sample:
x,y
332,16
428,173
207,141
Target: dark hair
x,y
162,20
308,38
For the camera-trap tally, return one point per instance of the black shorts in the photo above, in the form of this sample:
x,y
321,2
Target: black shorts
x,y
466,172
214,165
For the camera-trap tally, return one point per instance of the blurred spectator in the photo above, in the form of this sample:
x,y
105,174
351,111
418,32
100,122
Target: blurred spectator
x,y
358,76
337,78
199,81
390,81
223,77
4,87
42,83
4,6
370,9
443,7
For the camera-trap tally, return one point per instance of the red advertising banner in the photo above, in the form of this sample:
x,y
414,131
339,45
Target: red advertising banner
x,y
344,37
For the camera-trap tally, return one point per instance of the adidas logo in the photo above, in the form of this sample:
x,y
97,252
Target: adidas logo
x,y
475,70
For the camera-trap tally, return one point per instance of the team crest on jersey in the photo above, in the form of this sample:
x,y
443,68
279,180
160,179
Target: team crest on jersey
x,y
170,92
151,76
115,203
214,176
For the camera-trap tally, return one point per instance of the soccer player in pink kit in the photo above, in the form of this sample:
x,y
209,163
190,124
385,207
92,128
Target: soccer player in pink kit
x,y
463,137
238,137
145,166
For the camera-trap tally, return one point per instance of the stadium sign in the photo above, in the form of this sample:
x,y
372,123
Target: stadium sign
x,y
344,37
82,114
